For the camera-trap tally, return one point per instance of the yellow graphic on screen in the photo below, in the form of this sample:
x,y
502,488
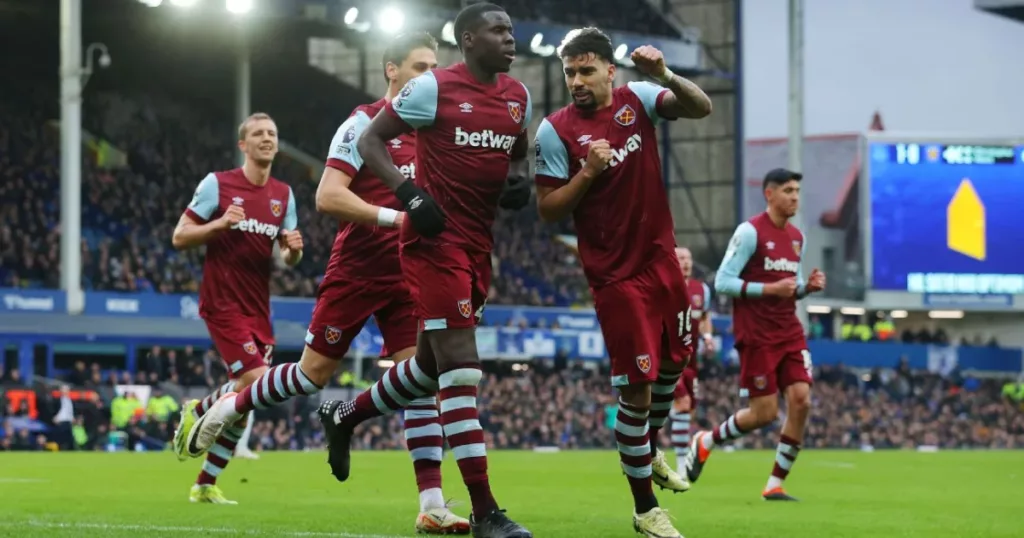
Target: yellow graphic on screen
x,y
965,222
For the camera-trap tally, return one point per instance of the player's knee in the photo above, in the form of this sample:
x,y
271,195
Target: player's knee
x,y
461,377
798,399
318,368
637,396
765,409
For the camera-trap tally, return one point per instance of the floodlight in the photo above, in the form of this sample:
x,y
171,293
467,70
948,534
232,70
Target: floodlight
x,y
183,3
238,7
391,20
620,52
351,15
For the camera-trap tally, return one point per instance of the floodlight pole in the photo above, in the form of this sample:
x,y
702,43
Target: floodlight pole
x,y
796,109
243,83
71,72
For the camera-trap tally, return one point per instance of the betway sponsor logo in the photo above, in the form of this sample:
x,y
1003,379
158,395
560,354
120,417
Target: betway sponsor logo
x,y
408,170
619,155
484,139
782,264
34,304
257,227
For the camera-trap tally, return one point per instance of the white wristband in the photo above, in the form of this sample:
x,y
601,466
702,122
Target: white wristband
x,y
386,217
666,77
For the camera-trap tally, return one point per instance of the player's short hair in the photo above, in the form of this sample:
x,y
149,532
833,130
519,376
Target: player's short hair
x,y
582,41
243,129
470,18
400,48
780,176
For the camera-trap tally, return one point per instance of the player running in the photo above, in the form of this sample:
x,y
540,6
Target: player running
x,y
238,215
686,392
363,278
761,271
471,121
597,159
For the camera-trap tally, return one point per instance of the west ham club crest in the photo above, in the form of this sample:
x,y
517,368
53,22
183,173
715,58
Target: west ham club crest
x,y
626,116
275,207
465,308
516,111
332,335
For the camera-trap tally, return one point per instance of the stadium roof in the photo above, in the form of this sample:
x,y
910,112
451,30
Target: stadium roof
x,y
1011,9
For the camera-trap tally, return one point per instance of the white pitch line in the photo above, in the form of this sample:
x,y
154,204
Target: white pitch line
x,y
187,529
22,480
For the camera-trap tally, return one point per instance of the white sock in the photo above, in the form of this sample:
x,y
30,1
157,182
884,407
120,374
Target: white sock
x,y
243,441
773,482
430,499
708,441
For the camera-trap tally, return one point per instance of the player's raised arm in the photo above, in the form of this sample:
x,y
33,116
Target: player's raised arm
x,y
195,226
414,108
685,100
557,193
741,249
290,238
333,195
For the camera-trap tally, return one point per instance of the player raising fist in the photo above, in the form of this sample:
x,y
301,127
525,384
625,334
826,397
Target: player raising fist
x,y
761,271
238,215
596,159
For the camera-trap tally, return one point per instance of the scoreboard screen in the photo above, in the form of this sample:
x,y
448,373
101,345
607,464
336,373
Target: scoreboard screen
x,y
946,218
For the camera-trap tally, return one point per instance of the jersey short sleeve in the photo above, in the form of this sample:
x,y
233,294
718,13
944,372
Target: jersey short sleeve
x,y
343,154
707,296
649,94
529,109
291,215
206,199
552,158
416,104
741,248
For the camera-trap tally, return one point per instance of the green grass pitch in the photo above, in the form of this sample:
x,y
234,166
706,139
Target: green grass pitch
x,y
568,494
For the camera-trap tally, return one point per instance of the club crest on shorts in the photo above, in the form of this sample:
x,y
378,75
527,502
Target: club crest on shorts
x,y
760,382
626,116
796,247
250,347
643,362
516,111
465,308
332,335
275,207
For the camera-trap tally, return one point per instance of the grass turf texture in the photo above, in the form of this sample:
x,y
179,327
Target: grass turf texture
x,y
568,494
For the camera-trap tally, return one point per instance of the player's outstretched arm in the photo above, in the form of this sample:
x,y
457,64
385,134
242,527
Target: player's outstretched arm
x,y
557,193
195,226
687,100
741,249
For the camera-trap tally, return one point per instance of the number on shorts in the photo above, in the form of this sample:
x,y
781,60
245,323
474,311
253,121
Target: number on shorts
x,y
807,362
684,322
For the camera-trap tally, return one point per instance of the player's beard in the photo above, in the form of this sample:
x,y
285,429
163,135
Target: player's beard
x,y
586,101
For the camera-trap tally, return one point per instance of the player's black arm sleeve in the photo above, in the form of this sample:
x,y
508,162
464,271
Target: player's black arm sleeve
x,y
373,148
687,100
517,185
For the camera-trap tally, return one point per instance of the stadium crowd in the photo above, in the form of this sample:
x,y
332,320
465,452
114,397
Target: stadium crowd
x,y
535,406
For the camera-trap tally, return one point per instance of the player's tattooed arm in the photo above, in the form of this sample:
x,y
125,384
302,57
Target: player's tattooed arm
x,y
687,100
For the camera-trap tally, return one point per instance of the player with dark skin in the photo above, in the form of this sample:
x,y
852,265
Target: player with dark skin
x,y
487,50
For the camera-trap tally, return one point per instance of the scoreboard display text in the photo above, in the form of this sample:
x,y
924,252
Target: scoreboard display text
x,y
945,218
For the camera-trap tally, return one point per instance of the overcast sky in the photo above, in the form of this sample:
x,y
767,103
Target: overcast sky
x,y
927,65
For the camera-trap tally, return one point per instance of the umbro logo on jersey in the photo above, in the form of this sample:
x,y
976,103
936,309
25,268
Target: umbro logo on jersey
x,y
584,140
466,108
396,143
237,200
